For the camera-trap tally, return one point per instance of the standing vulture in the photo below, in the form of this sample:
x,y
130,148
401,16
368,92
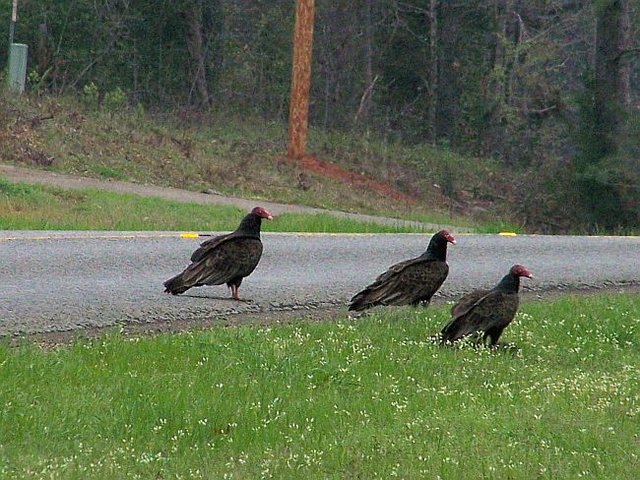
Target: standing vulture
x,y
409,282
225,258
487,311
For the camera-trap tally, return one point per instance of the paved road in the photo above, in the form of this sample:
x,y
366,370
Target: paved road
x,y
59,281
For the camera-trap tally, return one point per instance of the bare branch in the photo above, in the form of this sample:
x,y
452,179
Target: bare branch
x,y
627,51
365,97
540,111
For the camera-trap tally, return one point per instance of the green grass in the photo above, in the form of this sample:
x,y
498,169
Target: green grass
x,y
326,223
367,398
26,207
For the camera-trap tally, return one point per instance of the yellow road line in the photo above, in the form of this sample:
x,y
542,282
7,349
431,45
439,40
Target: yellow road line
x,y
194,235
88,237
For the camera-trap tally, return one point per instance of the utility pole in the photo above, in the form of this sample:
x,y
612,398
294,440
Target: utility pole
x,y
300,78
14,19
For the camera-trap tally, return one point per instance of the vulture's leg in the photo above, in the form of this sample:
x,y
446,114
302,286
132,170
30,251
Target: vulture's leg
x,y
493,334
234,292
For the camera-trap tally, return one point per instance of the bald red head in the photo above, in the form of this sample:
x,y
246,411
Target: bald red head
x,y
261,212
520,271
447,236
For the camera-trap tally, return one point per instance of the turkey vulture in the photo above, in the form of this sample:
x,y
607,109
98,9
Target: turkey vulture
x,y
409,282
487,311
225,258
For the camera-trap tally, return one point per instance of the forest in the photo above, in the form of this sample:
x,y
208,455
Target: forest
x,y
548,87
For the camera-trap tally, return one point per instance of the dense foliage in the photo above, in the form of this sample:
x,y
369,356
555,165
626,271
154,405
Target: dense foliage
x,y
503,78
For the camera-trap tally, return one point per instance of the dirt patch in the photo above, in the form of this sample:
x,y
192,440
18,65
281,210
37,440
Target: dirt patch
x,y
24,147
313,164
51,340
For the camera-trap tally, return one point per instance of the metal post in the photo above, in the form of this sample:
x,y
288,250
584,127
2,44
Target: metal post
x,y
17,67
17,64
300,78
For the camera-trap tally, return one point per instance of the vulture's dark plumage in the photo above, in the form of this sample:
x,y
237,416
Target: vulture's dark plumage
x,y
487,311
225,258
409,282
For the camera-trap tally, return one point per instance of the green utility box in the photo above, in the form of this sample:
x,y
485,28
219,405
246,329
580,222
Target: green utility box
x,y
17,67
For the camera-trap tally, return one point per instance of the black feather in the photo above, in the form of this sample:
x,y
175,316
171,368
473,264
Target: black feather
x,y
223,259
410,282
486,311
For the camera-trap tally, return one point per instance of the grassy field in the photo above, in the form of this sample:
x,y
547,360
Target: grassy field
x,y
26,207
367,398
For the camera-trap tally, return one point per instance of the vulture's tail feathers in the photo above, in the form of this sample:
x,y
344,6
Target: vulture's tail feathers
x,y
360,302
451,331
176,285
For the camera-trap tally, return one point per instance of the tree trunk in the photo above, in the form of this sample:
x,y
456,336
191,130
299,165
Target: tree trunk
x,y
365,101
433,70
213,28
515,34
196,46
611,72
500,12
300,78
448,87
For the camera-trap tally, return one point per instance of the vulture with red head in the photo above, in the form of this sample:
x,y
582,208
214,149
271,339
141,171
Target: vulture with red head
x,y
486,311
410,282
225,258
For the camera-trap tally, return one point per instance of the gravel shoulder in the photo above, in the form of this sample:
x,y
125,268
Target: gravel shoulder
x,y
55,339
63,281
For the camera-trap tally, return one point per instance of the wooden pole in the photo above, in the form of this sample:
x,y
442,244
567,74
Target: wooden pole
x,y
300,78
14,19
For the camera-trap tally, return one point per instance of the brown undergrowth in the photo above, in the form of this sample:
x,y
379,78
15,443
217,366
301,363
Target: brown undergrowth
x,y
243,157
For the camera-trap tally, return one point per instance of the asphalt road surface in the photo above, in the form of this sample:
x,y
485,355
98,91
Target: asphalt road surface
x,y
63,281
